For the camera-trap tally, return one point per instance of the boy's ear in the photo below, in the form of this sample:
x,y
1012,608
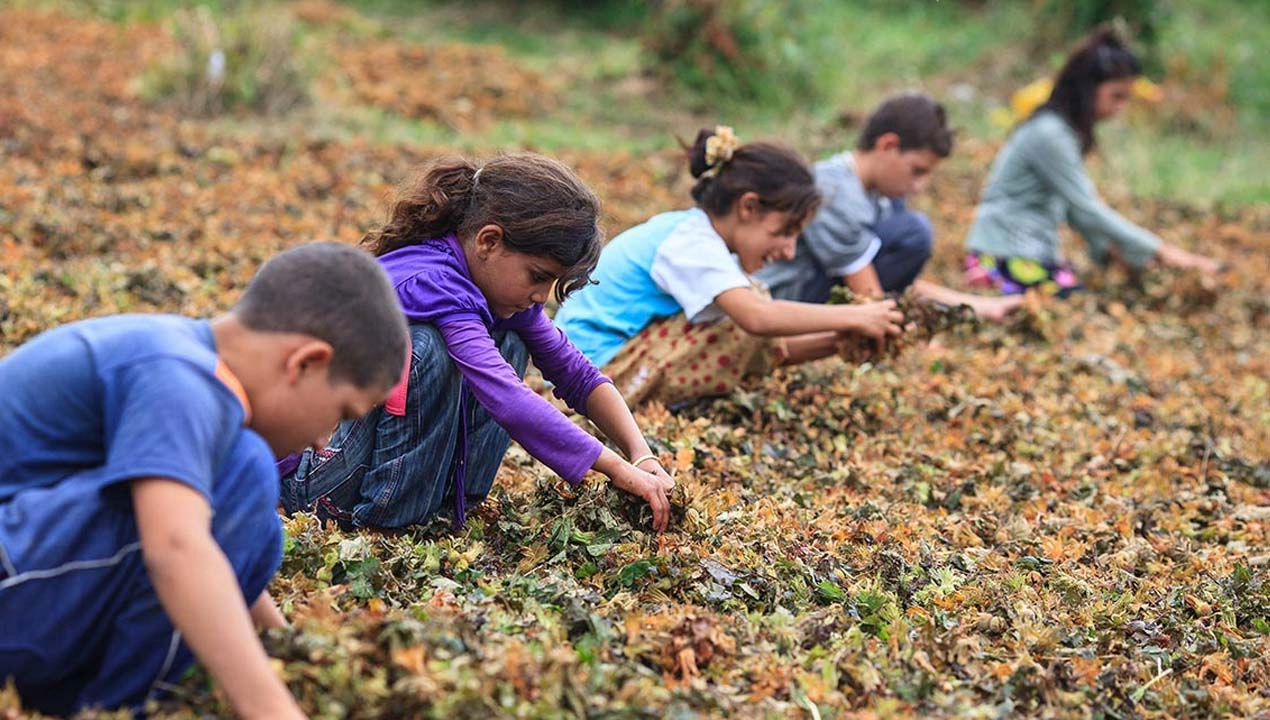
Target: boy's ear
x,y
489,239
310,356
887,142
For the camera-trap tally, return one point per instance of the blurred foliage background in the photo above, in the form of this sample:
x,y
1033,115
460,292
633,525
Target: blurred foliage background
x,y
633,73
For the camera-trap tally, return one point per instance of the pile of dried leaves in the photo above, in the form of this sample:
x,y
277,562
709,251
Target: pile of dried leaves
x,y
1061,516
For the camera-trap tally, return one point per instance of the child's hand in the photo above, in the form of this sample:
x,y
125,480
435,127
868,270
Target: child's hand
x,y
995,309
649,486
1177,258
653,467
877,320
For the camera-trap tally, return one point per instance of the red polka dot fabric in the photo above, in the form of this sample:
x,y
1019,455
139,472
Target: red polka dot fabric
x,y
674,360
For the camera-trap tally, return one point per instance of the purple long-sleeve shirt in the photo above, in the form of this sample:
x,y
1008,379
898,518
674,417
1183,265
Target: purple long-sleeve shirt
x,y
434,286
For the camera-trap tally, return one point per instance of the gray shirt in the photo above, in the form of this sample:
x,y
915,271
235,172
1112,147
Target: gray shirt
x,y
1038,180
837,242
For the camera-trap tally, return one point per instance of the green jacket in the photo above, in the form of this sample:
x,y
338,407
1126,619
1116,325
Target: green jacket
x,y
1038,180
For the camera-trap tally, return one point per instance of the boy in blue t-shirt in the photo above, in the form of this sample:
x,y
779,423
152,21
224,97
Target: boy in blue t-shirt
x,y
138,495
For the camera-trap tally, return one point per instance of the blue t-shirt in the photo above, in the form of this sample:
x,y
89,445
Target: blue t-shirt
x,y
675,262
127,397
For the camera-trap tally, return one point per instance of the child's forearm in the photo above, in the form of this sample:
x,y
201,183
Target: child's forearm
x,y
760,316
607,409
265,613
812,346
197,588
864,282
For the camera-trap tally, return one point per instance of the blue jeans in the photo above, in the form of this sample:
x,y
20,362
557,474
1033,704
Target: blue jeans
x,y
906,246
387,471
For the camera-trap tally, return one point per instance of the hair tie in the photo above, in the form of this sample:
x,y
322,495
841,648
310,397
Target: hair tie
x,y
476,176
719,149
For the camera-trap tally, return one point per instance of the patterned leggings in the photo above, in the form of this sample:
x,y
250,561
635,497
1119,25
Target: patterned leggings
x,y
1015,275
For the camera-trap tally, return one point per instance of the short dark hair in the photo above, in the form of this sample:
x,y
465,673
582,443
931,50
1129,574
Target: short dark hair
x,y
340,295
541,205
771,170
1101,57
916,118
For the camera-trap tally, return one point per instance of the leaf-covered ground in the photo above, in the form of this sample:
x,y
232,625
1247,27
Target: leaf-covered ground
x,y
1065,516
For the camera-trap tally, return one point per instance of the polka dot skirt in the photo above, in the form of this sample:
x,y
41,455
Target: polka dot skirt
x,y
673,359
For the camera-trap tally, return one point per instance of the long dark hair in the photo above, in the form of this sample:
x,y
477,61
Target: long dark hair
x,y
542,207
1100,57
771,170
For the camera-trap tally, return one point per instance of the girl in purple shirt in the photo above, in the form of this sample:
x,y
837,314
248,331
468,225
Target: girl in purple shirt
x,y
473,253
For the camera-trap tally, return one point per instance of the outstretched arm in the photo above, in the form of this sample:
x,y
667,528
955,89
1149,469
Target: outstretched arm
x,y
761,316
199,592
1175,257
986,307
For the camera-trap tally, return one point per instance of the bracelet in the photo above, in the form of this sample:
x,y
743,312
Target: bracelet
x,y
642,458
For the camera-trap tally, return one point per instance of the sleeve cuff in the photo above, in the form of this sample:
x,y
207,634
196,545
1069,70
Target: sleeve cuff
x,y
860,262
586,460
692,312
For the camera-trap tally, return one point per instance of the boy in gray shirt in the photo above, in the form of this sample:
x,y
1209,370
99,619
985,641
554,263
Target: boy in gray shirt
x,y
864,236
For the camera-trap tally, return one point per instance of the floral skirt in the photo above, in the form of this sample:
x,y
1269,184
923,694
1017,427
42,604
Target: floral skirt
x,y
673,360
1015,276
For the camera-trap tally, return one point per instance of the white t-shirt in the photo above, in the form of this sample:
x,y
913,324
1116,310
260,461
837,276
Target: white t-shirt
x,y
694,266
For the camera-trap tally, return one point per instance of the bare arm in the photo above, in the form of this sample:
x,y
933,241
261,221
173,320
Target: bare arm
x,y
989,308
761,316
864,282
265,613
199,592
608,410
813,346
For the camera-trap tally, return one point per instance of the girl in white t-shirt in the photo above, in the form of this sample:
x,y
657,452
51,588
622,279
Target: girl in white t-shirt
x,y
674,313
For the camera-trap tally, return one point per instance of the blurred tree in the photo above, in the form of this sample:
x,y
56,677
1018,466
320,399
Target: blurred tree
x,y
730,48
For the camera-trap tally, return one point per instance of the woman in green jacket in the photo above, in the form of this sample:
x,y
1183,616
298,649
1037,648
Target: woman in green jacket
x,y
1038,180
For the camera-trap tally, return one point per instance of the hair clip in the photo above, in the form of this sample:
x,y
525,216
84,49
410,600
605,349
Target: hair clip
x,y
719,149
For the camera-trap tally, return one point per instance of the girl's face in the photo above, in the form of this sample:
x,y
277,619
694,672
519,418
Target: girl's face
x,y
511,281
761,236
1110,97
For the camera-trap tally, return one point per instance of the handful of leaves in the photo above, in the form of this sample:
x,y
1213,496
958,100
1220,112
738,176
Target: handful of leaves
x,y
922,321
